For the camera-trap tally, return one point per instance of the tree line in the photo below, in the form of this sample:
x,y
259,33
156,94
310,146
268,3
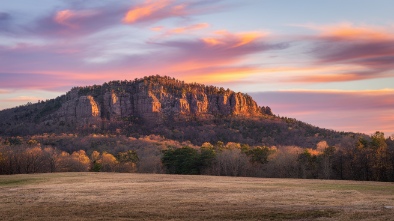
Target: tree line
x,y
22,159
369,158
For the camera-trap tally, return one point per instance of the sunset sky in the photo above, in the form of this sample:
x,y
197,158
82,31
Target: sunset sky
x,y
327,63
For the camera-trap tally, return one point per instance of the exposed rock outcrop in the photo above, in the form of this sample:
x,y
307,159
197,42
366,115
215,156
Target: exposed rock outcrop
x,y
153,99
80,111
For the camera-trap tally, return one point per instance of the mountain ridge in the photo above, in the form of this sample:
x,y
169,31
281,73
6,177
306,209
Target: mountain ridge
x,y
164,106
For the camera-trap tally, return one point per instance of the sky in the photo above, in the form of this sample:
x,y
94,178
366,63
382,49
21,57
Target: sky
x,y
327,63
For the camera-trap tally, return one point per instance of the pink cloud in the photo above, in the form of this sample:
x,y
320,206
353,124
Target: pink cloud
x,y
23,99
157,28
335,77
165,33
345,52
2,91
76,19
151,11
51,82
225,39
357,111
71,18
76,22
66,63
349,31
189,28
369,47
202,57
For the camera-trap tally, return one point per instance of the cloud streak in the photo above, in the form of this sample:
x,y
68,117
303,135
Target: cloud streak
x,y
2,91
223,51
50,82
371,48
179,30
362,111
70,22
151,11
22,99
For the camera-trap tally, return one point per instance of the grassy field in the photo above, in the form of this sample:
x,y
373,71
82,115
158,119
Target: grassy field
x,y
114,196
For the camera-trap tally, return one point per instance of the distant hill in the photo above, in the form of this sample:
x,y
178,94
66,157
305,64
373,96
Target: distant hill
x,y
167,107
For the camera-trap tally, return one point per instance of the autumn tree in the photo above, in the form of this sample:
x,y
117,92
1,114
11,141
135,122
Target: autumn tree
x,y
33,160
109,163
127,161
231,160
81,161
78,161
50,156
381,160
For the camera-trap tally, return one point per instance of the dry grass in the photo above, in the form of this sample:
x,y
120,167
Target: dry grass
x,y
111,196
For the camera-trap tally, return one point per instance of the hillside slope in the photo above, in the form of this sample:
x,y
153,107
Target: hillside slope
x,y
163,106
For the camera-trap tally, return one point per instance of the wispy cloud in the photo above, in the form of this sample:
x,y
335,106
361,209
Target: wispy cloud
x,y
22,99
222,50
74,22
2,91
179,30
76,19
359,111
151,11
344,52
369,47
353,32
49,82
71,18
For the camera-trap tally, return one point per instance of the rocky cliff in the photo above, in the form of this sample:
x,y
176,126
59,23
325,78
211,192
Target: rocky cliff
x,y
153,99
163,106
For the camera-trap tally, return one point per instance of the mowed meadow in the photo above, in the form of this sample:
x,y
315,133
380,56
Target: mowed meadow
x,y
131,196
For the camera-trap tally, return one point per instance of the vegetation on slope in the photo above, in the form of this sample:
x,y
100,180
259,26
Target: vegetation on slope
x,y
264,129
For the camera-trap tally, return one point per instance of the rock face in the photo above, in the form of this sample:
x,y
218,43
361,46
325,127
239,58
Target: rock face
x,y
83,110
152,99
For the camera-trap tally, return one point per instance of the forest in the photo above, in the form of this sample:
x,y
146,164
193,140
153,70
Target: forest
x,y
368,158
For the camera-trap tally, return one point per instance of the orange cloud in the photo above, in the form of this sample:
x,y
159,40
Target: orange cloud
x,y
219,74
145,10
247,38
4,91
328,78
67,17
178,30
370,49
189,28
157,28
23,99
349,31
230,40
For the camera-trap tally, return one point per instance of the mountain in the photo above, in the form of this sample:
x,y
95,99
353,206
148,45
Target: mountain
x,y
163,106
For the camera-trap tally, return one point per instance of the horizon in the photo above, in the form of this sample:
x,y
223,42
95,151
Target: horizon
x,y
319,63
